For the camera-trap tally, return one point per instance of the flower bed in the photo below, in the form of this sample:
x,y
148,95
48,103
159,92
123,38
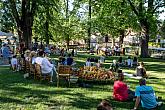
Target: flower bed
x,y
94,73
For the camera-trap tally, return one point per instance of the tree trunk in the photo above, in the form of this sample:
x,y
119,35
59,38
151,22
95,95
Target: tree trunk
x,y
89,29
144,46
67,20
27,31
47,26
145,39
24,19
121,38
46,32
67,41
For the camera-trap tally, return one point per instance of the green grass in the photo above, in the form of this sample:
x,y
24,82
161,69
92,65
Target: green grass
x,y
17,93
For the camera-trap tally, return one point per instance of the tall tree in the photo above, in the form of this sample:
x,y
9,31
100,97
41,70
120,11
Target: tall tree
x,y
6,20
146,11
23,12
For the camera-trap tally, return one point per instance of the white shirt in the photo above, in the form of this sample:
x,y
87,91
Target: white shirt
x,y
33,60
38,60
46,66
14,61
129,62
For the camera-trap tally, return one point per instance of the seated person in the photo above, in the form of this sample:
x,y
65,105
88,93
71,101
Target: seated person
x,y
69,60
120,61
88,63
141,71
102,59
46,66
121,91
98,65
47,50
114,66
104,105
145,95
38,59
27,55
14,63
33,56
129,62
62,61
135,61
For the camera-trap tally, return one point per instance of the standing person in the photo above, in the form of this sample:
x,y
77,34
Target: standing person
x,y
73,53
5,53
145,95
121,91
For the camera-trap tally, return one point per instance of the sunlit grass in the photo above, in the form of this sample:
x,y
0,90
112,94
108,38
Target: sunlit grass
x,y
17,93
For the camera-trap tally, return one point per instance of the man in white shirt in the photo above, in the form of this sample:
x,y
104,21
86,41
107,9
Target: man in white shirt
x,y
46,66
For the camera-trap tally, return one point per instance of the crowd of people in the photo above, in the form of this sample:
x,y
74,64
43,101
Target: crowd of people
x,y
121,91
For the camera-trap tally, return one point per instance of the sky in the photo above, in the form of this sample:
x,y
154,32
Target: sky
x,y
162,15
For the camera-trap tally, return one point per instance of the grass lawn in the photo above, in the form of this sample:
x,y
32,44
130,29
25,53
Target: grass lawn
x,y
17,93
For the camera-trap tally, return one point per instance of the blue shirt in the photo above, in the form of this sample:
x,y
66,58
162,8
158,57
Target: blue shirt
x,y
69,61
147,96
5,52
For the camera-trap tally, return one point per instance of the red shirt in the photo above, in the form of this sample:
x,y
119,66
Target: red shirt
x,y
120,91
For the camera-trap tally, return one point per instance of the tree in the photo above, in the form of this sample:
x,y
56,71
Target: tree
x,y
23,12
6,21
146,12
162,30
114,18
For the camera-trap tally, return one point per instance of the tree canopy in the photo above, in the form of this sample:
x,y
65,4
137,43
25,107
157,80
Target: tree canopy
x,y
65,20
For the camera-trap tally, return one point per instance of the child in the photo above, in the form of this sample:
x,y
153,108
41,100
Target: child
x,y
14,63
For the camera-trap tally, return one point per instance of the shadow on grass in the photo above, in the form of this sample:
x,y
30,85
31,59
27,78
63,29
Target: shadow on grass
x,y
12,100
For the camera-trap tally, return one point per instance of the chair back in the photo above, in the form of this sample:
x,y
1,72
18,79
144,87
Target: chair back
x,y
37,70
27,66
22,63
64,69
32,68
